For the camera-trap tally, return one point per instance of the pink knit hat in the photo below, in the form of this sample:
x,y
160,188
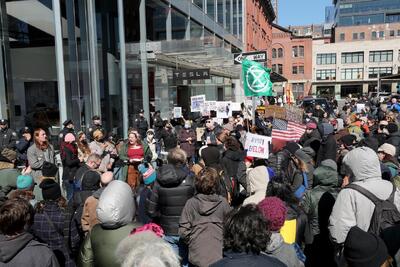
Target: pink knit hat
x,y
274,211
69,138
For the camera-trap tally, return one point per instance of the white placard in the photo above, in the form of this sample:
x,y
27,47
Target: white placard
x,y
360,107
197,103
236,106
257,145
224,109
177,112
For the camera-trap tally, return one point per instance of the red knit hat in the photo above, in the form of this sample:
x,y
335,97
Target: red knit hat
x,y
274,211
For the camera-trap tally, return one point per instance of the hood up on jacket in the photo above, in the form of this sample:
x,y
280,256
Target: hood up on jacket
x,y
258,179
363,164
234,155
208,204
170,176
116,205
325,129
326,174
9,248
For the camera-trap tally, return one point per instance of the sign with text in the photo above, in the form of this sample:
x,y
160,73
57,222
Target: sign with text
x,y
197,103
257,145
258,56
196,74
177,112
275,112
294,113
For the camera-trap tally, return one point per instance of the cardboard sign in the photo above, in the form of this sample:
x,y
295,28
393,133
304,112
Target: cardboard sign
x,y
257,145
197,103
199,133
275,112
177,112
294,114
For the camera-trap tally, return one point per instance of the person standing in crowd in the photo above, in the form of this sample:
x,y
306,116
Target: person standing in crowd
x,y
173,187
71,163
17,246
101,148
141,124
89,216
187,140
51,224
133,153
149,176
157,124
327,149
211,132
41,151
25,186
386,154
168,137
68,128
233,162
8,137
83,146
394,136
96,125
92,164
22,146
8,173
151,142
258,179
274,211
310,134
115,212
201,222
246,237
352,208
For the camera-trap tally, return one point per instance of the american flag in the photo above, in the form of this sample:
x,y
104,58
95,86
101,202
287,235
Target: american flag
x,y
287,130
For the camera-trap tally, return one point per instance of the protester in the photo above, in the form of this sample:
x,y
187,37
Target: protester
x,y
144,192
327,149
83,146
8,137
151,142
115,212
22,146
71,163
68,128
246,236
200,225
25,186
386,154
168,137
187,140
96,125
91,165
8,174
17,246
141,124
104,149
258,179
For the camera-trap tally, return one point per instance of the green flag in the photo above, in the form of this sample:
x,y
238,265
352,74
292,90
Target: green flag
x,y
256,79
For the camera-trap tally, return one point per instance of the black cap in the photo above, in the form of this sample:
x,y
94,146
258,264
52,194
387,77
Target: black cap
x,y
26,130
141,111
69,121
50,189
95,118
49,169
3,121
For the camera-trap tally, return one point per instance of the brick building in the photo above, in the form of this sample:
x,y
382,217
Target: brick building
x,y
291,57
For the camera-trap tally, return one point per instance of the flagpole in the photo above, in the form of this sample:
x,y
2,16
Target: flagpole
x,y
253,113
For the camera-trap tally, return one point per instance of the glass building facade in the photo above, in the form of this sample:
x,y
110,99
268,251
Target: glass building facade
x,y
63,58
362,12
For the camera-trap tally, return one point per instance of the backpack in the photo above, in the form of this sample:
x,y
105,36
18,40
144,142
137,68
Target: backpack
x,y
299,193
385,213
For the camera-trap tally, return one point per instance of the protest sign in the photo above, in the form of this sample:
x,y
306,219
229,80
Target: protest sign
x,y
236,106
224,109
199,133
257,145
275,112
294,114
197,103
360,108
177,112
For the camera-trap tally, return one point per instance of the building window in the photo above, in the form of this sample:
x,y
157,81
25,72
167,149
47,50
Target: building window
x,y
342,36
381,56
329,74
384,71
301,51
355,57
280,69
355,36
352,74
301,69
179,24
294,70
280,52
362,35
273,53
295,51
381,34
198,3
391,33
373,36
211,8
326,59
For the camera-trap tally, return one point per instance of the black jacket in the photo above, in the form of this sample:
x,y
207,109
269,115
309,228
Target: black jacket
x,y
22,146
327,150
232,259
71,164
8,139
394,139
173,187
170,139
230,161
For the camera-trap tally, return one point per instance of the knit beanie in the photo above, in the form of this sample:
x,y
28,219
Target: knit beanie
x,y
274,211
362,249
392,128
91,181
50,189
49,169
210,155
69,138
311,125
148,173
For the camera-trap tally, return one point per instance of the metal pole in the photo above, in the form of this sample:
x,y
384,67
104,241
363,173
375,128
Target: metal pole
x,y
378,88
122,53
143,59
59,60
253,112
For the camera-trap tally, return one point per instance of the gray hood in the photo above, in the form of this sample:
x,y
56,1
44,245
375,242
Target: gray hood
x,y
275,243
9,248
363,163
116,205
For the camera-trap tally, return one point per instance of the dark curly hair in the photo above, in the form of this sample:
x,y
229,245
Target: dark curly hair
x,y
246,230
282,191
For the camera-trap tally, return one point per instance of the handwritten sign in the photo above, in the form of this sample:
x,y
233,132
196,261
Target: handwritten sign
x,y
257,145
275,112
197,103
177,112
294,114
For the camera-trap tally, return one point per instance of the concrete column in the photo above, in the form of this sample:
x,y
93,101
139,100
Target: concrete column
x,y
337,90
365,88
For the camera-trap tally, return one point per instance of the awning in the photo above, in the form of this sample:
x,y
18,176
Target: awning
x,y
395,77
277,78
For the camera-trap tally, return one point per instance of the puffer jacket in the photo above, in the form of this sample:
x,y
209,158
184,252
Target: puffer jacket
x,y
173,187
282,251
351,207
325,180
258,181
201,227
115,212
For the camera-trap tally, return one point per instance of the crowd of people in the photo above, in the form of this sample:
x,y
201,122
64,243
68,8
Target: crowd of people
x,y
185,193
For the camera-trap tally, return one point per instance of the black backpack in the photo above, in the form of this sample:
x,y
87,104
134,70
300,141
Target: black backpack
x,y
385,213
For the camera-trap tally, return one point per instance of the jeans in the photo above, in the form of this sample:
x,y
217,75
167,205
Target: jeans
x,y
179,247
69,189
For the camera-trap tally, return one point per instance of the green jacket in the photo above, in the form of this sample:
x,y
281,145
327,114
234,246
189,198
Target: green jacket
x,y
8,180
100,244
123,155
325,180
